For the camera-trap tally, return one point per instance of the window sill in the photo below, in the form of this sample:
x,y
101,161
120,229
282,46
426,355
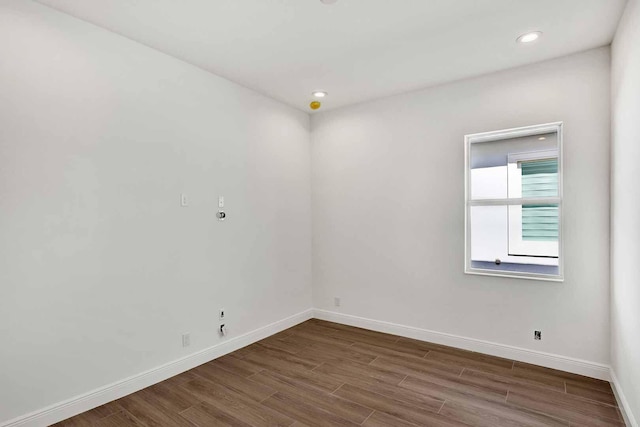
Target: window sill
x,y
514,275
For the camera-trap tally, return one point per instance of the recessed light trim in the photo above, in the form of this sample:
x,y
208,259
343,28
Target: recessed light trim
x,y
529,37
319,93
328,1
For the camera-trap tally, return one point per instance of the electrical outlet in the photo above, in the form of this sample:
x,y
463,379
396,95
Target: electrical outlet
x,y
186,340
537,335
221,314
184,201
336,301
222,330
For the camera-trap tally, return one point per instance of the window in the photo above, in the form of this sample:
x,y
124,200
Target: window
x,y
514,202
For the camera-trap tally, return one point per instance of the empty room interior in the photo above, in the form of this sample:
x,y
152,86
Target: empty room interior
x,y
319,213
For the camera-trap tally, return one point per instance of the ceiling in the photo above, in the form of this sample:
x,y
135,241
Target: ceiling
x,y
356,50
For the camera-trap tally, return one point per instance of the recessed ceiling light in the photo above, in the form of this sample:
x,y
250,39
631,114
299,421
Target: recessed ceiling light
x,y
328,1
319,93
529,37
542,138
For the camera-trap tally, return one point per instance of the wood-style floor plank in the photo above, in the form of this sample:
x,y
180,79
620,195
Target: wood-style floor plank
x,y
345,372
485,414
204,415
270,358
564,406
235,404
450,387
508,379
567,376
170,396
237,366
119,419
602,396
313,378
320,373
424,414
354,335
390,353
343,408
321,353
151,411
234,382
291,346
308,413
315,337
89,418
354,330
477,361
380,419
416,368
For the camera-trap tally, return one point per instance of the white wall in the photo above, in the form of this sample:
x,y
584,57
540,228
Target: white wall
x,y
388,209
101,271
625,208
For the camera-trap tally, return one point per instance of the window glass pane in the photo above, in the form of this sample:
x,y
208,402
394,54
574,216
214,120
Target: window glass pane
x,y
497,240
539,178
540,223
489,233
534,231
519,167
489,183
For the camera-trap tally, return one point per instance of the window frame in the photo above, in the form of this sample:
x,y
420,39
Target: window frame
x,y
542,129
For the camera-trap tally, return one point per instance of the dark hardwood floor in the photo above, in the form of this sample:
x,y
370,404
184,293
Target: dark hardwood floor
x,y
326,374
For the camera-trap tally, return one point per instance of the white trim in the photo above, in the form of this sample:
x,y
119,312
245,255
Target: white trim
x,y
556,127
516,275
76,405
555,361
623,403
513,132
512,202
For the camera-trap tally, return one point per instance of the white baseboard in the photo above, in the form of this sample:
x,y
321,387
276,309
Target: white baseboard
x,y
623,403
563,363
102,395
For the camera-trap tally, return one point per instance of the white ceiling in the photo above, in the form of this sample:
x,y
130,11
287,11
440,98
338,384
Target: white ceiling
x,y
356,50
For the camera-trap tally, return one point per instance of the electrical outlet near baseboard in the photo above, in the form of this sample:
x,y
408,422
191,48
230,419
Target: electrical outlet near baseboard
x,y
186,340
336,301
537,335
